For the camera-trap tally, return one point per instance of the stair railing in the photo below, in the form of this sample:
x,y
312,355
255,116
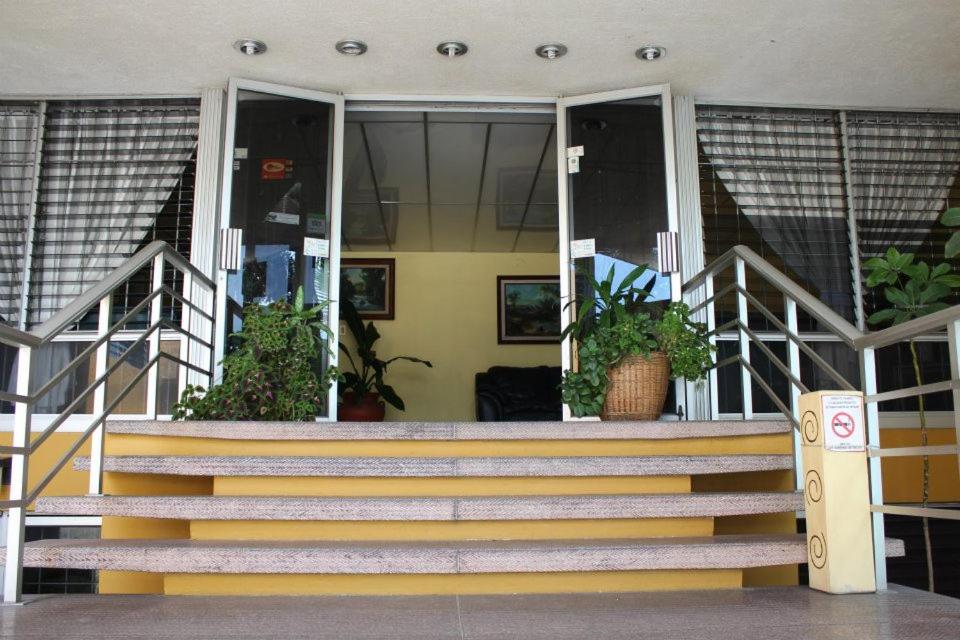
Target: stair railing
x,y
195,303
699,291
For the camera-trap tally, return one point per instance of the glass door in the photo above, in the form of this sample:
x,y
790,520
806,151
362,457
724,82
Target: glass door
x,y
617,194
281,195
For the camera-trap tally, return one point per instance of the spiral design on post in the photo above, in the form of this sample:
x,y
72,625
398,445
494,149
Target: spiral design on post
x,y
818,551
814,487
810,427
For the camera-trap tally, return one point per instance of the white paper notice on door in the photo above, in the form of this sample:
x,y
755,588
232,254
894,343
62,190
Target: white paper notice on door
x,y
316,247
586,248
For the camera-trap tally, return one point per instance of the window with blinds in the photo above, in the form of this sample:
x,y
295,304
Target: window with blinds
x,y
772,179
114,176
903,176
18,148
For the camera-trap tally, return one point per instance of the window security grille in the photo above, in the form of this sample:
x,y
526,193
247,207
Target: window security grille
x,y
18,145
115,175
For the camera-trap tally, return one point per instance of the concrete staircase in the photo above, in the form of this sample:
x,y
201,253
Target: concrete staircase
x,y
404,508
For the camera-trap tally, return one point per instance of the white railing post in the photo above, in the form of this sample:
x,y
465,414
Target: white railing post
x,y
745,380
868,371
156,309
186,316
793,361
711,327
16,516
100,396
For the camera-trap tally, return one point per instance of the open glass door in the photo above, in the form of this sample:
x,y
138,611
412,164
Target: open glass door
x,y
617,194
281,194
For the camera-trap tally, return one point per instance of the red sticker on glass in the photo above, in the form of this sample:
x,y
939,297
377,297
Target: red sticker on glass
x,y
275,168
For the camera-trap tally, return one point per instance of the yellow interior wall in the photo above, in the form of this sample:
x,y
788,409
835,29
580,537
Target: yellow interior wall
x,y
446,312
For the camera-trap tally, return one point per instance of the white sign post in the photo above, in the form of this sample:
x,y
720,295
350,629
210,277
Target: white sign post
x,y
843,415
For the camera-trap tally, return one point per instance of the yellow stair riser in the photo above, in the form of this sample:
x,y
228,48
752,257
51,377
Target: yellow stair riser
x,y
436,584
118,444
435,530
313,486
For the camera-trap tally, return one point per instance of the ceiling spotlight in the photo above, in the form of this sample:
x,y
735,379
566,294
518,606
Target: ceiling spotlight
x,y
250,47
352,47
651,52
551,51
451,49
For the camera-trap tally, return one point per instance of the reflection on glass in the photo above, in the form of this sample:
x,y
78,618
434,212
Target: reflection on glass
x,y
279,197
619,196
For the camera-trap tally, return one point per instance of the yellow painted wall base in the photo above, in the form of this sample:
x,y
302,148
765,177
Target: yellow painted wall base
x,y
462,530
462,584
254,486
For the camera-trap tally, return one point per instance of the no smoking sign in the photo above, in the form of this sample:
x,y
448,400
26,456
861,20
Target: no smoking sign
x,y
843,415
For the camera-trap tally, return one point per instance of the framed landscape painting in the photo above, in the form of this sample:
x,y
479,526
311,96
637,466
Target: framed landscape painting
x,y
528,309
369,284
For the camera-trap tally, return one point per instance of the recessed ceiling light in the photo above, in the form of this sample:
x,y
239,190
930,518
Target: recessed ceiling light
x,y
352,47
551,51
250,47
451,49
651,52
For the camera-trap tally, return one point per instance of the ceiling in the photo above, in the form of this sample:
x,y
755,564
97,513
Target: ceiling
x,y
429,181
869,53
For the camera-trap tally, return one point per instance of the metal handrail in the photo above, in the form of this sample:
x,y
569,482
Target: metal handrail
x,y
158,255
945,323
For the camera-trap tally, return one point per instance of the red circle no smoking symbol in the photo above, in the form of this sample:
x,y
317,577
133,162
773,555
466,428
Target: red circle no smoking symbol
x,y
842,425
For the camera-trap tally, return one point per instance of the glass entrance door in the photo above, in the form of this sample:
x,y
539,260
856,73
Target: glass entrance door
x,y
617,192
281,189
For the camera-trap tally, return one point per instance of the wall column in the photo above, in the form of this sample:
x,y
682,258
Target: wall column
x,y
691,227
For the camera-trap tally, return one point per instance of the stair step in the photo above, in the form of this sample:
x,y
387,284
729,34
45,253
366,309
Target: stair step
x,y
660,430
439,509
189,556
287,466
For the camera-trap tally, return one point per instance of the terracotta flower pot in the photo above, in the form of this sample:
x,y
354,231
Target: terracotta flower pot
x,y
638,388
369,409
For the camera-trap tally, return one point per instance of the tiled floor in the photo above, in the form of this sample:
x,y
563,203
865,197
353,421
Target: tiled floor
x,y
770,614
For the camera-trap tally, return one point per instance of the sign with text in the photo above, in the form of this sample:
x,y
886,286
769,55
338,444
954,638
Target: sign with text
x,y
586,248
316,247
843,423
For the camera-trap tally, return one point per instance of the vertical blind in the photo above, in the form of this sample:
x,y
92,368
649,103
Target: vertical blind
x,y
18,145
109,170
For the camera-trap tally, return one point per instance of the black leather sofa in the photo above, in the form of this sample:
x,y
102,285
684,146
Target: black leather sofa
x,y
517,394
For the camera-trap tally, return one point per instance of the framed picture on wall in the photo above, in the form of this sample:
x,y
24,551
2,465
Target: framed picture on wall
x,y
528,309
369,284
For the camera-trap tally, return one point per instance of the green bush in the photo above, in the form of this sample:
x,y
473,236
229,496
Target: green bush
x,y
273,372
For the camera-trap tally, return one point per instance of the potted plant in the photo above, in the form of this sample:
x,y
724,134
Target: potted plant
x,y
274,373
629,349
364,390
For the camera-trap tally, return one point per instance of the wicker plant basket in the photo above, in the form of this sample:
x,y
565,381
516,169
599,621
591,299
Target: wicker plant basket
x,y
638,388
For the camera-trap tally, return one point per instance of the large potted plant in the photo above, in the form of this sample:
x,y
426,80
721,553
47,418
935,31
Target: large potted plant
x,y
629,349
364,390
275,372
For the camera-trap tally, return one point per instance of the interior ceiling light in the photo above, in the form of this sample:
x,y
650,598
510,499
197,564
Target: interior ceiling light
x,y
451,49
250,47
551,51
352,47
651,52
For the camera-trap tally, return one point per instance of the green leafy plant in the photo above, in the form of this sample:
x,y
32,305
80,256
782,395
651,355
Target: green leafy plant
x,y
369,375
951,218
274,371
913,289
618,322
